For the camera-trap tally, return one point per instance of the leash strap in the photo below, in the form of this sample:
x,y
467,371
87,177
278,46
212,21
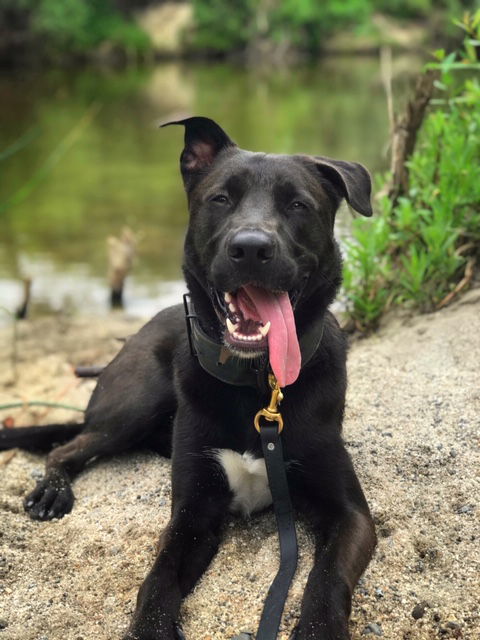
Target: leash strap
x,y
282,506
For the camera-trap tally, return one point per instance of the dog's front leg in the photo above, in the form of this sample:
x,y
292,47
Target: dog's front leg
x,y
345,540
200,501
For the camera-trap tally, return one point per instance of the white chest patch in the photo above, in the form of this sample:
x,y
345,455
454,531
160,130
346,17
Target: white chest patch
x,y
247,478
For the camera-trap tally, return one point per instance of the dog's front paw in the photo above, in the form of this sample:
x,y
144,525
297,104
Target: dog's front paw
x,y
51,498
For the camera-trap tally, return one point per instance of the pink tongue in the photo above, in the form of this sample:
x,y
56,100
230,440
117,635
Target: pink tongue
x,y
283,347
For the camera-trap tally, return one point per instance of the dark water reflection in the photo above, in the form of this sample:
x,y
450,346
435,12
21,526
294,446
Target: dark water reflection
x,y
121,169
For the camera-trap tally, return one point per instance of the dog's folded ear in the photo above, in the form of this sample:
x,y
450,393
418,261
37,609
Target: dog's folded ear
x,y
204,139
352,180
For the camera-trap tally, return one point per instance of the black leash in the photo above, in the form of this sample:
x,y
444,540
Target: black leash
x,y
282,506
269,424
277,479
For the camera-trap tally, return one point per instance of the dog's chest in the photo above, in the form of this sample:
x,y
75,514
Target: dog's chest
x,y
247,478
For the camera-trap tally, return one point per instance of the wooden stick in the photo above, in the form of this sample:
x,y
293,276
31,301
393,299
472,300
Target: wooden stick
x,y
89,372
121,252
467,278
7,456
386,75
405,132
22,310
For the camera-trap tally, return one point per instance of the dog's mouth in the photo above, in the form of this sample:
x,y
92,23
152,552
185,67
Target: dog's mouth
x,y
257,319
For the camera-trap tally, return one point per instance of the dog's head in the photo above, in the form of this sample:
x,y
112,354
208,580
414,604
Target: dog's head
x,y
260,256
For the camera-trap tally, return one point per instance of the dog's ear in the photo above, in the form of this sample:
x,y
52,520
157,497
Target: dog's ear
x,y
352,179
204,139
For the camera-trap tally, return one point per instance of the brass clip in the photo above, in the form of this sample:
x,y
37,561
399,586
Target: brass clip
x,y
271,413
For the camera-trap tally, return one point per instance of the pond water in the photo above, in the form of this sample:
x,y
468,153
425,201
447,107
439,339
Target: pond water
x,y
81,156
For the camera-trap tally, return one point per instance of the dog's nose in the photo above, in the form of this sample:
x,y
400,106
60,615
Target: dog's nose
x,y
251,246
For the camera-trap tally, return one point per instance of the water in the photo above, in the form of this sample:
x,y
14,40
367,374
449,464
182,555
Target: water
x,y
81,156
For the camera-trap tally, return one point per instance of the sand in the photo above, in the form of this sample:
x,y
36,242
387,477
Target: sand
x,y
412,426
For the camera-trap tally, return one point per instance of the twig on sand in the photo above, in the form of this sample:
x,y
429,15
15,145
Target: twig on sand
x,y
92,371
39,403
7,456
467,278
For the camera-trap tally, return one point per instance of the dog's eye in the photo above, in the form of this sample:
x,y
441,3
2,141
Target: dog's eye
x,y
298,205
220,199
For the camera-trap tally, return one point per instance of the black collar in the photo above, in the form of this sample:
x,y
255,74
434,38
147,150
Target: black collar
x,y
219,362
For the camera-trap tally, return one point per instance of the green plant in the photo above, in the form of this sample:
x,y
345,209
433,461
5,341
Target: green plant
x,y
75,27
417,250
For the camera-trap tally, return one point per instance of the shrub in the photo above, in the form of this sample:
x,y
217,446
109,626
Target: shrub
x,y
417,250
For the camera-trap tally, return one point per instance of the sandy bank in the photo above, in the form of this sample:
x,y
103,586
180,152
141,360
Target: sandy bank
x,y
412,428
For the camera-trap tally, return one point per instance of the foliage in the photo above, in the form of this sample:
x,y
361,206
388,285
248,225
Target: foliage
x,y
225,25
61,28
307,22
416,251
232,25
76,26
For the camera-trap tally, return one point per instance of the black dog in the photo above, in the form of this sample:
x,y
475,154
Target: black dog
x,y
262,267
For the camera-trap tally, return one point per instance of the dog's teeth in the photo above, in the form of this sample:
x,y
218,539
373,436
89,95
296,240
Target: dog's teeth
x,y
231,327
228,298
265,329
241,336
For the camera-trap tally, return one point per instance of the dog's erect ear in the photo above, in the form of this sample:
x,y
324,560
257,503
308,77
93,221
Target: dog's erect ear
x,y
352,179
204,140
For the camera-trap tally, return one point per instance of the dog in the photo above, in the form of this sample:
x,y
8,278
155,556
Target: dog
x,y
262,267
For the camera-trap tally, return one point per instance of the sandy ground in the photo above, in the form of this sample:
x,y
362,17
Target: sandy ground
x,y
411,426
